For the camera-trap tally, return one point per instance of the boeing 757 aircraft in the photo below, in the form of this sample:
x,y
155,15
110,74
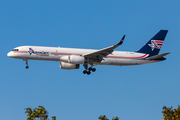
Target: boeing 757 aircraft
x,y
71,58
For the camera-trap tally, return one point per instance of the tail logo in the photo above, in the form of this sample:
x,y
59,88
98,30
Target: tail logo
x,y
156,44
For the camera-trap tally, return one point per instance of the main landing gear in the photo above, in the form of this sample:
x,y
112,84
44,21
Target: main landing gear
x,y
26,63
88,70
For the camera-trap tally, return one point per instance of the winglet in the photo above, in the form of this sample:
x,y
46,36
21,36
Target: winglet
x,y
121,41
103,52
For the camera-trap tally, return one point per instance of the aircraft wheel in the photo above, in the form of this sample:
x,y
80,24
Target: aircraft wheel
x,y
27,67
85,71
88,72
93,69
90,68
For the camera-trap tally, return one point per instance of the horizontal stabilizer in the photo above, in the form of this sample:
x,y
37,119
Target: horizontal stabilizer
x,y
155,57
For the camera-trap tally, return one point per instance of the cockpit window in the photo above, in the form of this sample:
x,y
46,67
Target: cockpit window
x,y
15,50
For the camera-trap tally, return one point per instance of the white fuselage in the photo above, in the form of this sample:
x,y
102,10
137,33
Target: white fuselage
x,y
54,53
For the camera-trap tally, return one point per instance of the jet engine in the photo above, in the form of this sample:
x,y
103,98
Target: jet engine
x,y
68,66
74,59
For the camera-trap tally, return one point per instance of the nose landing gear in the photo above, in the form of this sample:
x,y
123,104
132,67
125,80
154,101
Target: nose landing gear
x,y
26,63
27,67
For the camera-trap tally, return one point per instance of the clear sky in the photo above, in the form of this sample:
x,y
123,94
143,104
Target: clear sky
x,y
132,92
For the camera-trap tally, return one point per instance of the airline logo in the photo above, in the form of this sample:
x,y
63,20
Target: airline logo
x,y
156,44
41,53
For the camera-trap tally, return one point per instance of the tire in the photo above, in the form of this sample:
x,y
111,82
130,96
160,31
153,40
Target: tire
x,y
84,71
90,68
94,69
88,72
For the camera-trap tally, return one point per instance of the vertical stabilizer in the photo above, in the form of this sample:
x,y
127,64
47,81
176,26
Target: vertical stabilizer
x,y
153,46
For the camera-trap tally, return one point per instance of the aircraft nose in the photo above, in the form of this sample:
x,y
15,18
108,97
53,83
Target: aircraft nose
x,y
9,54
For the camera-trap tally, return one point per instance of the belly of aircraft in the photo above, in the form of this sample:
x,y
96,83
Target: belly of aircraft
x,y
123,62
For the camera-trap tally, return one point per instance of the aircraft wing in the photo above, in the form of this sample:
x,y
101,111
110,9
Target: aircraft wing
x,y
98,55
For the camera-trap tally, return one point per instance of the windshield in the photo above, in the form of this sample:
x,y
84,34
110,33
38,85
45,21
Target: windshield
x,y
15,50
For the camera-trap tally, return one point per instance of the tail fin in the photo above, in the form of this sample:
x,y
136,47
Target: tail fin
x,y
153,46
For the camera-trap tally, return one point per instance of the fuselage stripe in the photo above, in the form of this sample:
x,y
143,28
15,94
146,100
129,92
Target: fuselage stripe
x,y
57,53
20,51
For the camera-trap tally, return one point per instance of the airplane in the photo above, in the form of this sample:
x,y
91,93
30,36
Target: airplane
x,y
71,58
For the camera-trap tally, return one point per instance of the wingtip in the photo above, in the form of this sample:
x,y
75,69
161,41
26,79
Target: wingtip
x,y
121,41
168,53
123,37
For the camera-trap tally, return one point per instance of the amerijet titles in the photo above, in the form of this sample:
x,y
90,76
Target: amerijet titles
x,y
42,53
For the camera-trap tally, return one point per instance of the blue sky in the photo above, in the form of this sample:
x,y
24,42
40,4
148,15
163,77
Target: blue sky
x,y
133,92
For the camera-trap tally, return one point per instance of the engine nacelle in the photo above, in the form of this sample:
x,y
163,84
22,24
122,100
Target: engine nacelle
x,y
74,59
68,66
